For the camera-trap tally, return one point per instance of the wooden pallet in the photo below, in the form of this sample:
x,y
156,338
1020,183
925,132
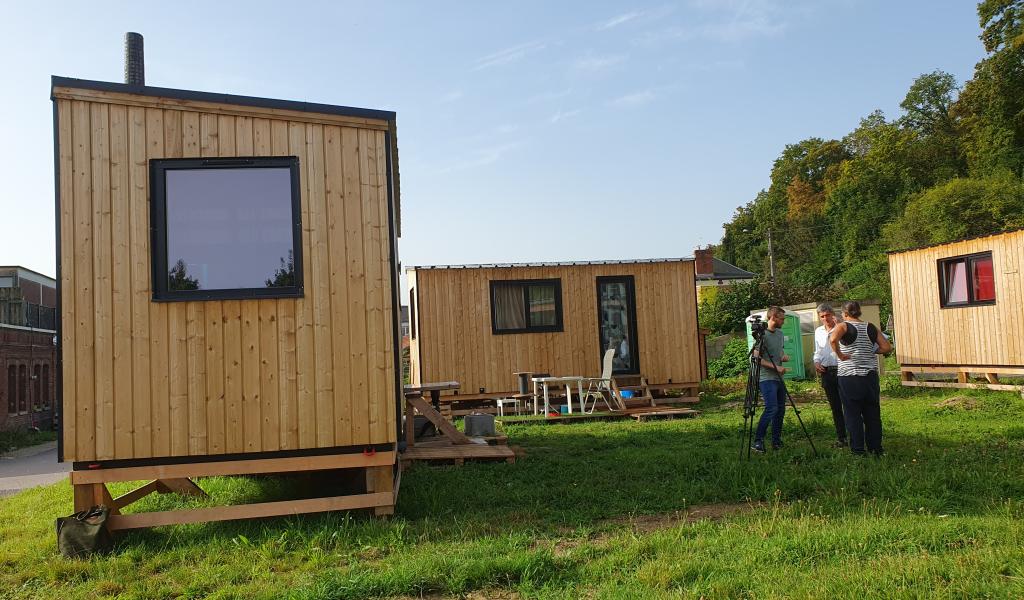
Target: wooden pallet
x,y
641,413
664,413
434,452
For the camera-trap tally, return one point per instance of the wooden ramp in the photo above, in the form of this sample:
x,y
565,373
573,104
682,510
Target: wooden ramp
x,y
443,451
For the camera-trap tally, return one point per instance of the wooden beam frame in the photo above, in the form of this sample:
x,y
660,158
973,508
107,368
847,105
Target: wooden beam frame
x,y
90,489
234,467
969,386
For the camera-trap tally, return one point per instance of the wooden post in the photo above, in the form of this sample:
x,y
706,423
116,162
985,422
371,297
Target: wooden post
x,y
410,424
962,376
378,480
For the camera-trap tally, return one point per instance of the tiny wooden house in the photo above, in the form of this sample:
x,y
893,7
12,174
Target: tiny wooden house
x,y
227,284
957,308
478,324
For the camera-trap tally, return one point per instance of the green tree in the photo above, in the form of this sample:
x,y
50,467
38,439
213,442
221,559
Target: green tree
x,y
959,208
284,276
178,278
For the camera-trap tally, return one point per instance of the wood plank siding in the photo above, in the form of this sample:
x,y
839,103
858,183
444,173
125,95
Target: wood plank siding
x,y
454,340
144,379
988,335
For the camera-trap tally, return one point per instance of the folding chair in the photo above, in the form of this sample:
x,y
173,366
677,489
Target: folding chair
x,y
600,388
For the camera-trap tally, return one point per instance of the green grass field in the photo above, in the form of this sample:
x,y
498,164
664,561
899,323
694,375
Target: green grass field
x,y
608,510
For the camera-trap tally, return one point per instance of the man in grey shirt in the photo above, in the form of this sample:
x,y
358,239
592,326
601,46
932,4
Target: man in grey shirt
x,y
771,381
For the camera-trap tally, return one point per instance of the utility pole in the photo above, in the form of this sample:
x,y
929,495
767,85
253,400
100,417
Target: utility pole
x,y
771,259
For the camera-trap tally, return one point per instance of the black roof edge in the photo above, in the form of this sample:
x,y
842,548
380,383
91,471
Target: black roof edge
x,y
966,239
145,90
522,265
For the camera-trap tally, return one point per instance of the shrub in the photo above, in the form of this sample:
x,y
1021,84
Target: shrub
x,y
733,360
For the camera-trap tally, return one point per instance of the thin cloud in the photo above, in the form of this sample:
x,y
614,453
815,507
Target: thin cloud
x,y
481,157
727,21
548,96
598,63
563,115
508,55
619,20
451,96
632,100
743,19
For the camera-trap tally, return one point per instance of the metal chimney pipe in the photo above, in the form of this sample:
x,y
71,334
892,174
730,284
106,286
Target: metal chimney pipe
x,y
134,59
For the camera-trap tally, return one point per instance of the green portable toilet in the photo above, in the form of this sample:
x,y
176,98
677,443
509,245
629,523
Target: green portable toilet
x,y
792,346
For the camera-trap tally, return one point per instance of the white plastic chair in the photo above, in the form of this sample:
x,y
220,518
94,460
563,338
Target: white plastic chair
x,y
600,388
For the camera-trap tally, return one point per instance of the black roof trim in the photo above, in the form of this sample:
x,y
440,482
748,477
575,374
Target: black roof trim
x,y
158,92
638,261
966,239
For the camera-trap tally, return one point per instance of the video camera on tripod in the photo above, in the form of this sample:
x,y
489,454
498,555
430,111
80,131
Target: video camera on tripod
x,y
757,326
759,352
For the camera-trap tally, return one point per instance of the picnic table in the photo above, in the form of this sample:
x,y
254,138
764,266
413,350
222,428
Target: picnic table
x,y
567,381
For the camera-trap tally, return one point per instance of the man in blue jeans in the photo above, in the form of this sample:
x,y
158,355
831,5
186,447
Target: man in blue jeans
x,y
771,381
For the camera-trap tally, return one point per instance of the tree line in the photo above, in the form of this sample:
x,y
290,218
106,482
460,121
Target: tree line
x,y
949,166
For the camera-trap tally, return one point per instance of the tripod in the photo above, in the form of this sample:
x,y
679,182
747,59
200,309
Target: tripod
x,y
754,391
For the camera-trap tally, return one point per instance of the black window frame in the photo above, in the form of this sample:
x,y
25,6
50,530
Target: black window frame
x,y
634,342
526,284
968,260
412,313
158,168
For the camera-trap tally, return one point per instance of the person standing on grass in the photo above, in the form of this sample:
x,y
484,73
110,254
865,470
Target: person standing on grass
x,y
771,381
827,366
855,344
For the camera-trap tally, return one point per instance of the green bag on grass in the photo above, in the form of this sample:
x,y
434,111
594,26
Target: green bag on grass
x,y
84,533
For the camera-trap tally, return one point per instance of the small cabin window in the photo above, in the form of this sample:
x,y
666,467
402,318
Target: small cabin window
x,y
526,306
967,280
226,228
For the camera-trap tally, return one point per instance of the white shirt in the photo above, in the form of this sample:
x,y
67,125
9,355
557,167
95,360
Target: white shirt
x,y
823,354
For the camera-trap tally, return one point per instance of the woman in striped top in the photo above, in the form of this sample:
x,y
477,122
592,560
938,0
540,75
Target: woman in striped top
x,y
855,344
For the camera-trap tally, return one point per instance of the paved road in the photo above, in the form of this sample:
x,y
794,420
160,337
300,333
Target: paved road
x,y
31,467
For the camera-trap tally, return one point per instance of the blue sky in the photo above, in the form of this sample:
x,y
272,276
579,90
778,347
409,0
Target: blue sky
x,y
528,131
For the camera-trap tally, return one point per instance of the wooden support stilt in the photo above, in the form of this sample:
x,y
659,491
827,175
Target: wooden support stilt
x,y
379,480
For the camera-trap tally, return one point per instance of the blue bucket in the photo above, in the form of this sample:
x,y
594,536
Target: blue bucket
x,y
627,393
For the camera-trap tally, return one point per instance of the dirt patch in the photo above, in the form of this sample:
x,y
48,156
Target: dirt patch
x,y
958,402
710,512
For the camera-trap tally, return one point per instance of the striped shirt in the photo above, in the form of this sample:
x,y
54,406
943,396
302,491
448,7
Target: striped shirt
x,y
861,350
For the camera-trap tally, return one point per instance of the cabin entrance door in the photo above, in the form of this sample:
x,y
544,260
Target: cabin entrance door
x,y
616,322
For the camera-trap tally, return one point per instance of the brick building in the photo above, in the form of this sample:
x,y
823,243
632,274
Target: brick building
x,y
28,350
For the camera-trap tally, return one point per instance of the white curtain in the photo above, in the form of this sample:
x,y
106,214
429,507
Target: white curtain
x,y
509,309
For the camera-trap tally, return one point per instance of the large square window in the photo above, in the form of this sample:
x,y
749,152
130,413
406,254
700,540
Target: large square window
x,y
226,228
526,306
967,280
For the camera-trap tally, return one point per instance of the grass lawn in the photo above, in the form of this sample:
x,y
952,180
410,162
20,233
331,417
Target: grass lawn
x,y
617,510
